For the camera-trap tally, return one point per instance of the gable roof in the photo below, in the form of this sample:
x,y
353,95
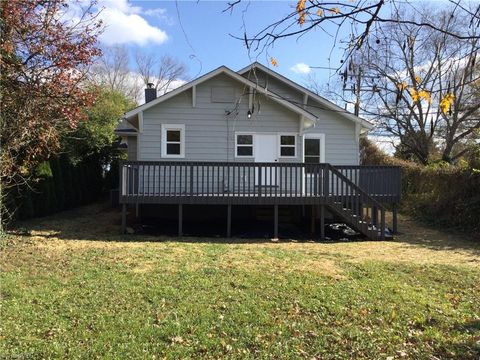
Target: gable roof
x,y
328,104
222,70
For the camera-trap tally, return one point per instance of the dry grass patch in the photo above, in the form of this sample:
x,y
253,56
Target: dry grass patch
x,y
96,228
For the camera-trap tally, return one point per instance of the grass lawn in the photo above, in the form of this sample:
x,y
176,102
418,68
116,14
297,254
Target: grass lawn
x,y
72,287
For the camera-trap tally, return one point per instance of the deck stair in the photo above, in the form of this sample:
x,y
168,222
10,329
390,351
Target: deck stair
x,y
354,205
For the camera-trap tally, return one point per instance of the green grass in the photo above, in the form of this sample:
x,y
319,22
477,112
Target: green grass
x,y
76,291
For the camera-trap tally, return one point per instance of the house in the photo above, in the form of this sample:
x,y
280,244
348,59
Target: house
x,y
252,137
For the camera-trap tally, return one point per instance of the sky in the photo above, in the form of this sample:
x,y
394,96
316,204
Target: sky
x,y
199,34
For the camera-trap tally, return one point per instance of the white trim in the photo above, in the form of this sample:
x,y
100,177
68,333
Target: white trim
x,y
253,145
234,75
305,100
358,130
140,121
342,112
194,95
279,145
322,145
250,98
178,127
138,147
301,125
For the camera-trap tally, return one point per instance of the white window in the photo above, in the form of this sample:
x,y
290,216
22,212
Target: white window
x,y
173,140
243,145
288,145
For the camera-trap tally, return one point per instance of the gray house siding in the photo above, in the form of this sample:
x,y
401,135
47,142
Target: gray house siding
x,y
209,130
341,143
274,85
132,148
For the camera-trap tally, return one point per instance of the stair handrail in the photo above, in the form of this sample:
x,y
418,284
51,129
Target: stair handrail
x,y
358,188
372,201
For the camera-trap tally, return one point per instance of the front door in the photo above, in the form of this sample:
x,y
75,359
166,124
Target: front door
x,y
266,151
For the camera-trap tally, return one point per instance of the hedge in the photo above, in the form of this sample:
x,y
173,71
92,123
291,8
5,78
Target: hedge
x,y
446,196
62,186
440,193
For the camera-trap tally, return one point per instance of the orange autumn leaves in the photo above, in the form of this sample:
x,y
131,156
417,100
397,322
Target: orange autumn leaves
x,y
418,95
446,102
301,10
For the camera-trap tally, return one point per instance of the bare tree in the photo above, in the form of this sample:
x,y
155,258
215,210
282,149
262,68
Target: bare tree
x,y
360,18
419,85
112,70
159,71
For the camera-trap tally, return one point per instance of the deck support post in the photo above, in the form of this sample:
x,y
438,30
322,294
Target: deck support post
x,y
229,220
382,224
374,216
137,210
312,221
394,216
322,222
180,219
124,218
275,221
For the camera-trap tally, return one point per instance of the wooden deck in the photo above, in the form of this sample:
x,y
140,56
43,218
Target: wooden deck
x,y
357,193
253,183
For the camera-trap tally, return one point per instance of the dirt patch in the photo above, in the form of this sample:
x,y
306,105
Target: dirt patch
x,y
144,267
285,258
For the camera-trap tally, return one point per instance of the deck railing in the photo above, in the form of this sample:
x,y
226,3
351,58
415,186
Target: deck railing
x,y
235,182
380,182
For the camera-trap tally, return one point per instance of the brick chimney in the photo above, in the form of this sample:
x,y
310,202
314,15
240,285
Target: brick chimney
x,y
150,93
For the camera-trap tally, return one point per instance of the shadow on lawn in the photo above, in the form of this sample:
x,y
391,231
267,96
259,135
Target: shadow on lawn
x,y
469,349
99,222
436,238
471,326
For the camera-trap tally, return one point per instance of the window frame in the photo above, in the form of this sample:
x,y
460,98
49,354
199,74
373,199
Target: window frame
x,y
237,145
319,136
164,142
279,150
